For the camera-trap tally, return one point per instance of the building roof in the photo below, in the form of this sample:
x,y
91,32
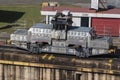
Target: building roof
x,y
21,32
86,12
78,9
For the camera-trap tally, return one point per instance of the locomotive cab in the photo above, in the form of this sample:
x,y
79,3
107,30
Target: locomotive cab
x,y
62,22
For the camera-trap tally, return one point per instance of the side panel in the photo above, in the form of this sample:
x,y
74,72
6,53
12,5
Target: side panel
x,y
106,26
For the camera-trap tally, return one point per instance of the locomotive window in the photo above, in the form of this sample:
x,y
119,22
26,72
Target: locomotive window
x,y
71,33
78,33
81,38
45,35
40,34
74,33
71,37
37,35
33,34
43,30
39,30
83,34
33,29
48,35
76,37
47,31
68,33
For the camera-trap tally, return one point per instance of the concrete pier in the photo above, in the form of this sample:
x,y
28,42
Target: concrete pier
x,y
17,65
14,72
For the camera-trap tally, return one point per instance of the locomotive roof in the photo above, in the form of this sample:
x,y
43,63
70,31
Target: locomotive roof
x,y
20,32
43,26
73,28
81,29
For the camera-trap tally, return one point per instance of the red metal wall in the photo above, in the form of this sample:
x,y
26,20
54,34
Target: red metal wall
x,y
106,26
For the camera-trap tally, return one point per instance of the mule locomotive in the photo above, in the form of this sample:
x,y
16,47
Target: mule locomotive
x,y
61,37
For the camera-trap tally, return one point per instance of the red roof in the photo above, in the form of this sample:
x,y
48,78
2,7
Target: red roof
x,y
78,9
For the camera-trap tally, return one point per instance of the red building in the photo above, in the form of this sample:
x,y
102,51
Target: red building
x,y
105,22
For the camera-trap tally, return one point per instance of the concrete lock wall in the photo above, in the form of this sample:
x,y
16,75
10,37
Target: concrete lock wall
x,y
12,72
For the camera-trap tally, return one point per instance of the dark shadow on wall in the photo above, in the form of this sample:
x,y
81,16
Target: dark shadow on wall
x,y
10,16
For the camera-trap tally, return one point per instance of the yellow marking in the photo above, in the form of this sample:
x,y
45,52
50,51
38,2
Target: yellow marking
x,y
51,57
6,62
111,72
44,56
112,51
73,59
110,61
21,63
56,66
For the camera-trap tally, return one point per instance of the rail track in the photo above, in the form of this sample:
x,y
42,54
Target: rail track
x,y
49,57
12,48
23,57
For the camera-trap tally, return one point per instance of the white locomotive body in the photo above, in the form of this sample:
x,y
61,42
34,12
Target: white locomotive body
x,y
63,38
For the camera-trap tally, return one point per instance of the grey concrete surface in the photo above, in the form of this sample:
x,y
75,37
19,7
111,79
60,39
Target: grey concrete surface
x,y
14,72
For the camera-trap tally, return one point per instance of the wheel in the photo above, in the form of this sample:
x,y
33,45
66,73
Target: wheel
x,y
82,55
85,52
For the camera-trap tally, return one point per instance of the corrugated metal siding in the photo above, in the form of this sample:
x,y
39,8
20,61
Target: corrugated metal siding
x,y
106,26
